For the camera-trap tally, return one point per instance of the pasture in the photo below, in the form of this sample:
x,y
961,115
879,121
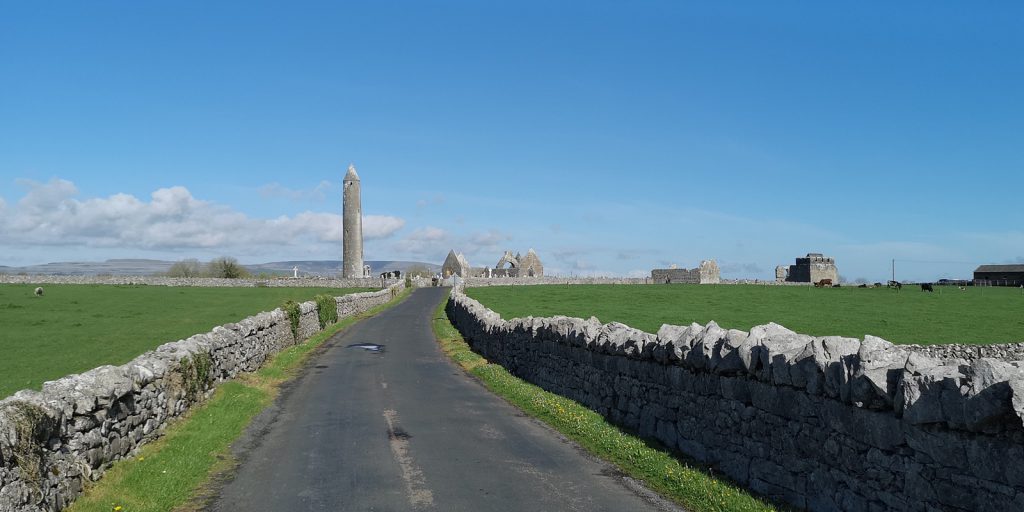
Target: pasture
x,y
949,315
73,328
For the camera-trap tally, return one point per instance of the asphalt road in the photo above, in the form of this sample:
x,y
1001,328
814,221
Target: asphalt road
x,y
403,428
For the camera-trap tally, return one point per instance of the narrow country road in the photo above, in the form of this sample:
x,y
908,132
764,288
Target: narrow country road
x,y
402,428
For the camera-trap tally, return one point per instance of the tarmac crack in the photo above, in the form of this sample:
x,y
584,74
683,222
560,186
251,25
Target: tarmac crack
x,y
419,494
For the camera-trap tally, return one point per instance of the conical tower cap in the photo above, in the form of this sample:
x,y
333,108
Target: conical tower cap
x,y
351,174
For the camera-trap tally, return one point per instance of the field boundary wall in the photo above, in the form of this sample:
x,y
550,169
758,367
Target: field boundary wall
x,y
819,423
54,440
214,282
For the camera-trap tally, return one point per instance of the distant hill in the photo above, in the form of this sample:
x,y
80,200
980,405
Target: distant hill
x,y
144,267
333,267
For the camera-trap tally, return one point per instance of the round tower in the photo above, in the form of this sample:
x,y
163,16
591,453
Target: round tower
x,y
352,226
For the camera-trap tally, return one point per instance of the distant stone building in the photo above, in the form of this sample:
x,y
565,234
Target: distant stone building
x,y
810,269
455,264
781,272
508,265
516,266
999,275
706,273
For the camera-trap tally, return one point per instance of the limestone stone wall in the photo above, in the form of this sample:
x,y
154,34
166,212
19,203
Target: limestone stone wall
x,y
956,353
195,281
70,432
473,282
676,275
706,273
819,423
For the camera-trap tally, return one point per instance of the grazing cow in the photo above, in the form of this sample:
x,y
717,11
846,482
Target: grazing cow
x,y
926,287
895,284
39,291
862,286
824,283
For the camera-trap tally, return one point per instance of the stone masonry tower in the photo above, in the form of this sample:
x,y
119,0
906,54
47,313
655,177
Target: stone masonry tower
x,y
352,226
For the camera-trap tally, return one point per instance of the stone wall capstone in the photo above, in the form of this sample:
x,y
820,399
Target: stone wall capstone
x,y
819,423
70,432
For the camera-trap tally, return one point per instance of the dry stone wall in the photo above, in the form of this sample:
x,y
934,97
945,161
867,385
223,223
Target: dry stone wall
x,y
473,282
819,423
70,432
196,281
956,353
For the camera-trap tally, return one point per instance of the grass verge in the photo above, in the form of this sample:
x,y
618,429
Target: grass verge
x,y
689,485
168,473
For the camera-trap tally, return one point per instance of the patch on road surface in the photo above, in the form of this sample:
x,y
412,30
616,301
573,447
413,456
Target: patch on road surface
x,y
369,347
415,483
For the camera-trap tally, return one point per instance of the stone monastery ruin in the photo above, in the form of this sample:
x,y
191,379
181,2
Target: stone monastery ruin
x,y
812,268
706,273
507,266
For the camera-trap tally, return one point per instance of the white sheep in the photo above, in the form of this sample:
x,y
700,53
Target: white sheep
x,y
39,291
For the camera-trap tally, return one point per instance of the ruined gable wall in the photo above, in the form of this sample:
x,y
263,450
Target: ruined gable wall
x,y
676,275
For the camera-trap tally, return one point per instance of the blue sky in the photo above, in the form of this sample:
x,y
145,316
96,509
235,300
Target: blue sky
x,y
611,138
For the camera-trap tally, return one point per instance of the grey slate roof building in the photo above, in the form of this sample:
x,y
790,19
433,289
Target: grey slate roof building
x,y
999,275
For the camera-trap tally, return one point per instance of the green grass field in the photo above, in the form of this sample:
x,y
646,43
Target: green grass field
x,y
949,315
74,328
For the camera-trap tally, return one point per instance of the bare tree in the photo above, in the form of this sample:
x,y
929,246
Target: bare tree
x,y
185,268
226,267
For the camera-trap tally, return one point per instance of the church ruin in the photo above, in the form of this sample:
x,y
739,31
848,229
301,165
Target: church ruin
x,y
517,266
456,265
706,273
508,265
810,269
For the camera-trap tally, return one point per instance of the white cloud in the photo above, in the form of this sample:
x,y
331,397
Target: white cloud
x,y
432,244
489,240
429,243
171,220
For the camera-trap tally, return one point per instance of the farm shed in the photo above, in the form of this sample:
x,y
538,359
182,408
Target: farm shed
x,y
999,275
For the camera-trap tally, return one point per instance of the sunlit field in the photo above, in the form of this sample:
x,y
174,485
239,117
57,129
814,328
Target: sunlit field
x,y
73,328
949,315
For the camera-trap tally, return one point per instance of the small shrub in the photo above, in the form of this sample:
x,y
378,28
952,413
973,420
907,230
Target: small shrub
x,y
32,429
195,374
327,309
292,309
